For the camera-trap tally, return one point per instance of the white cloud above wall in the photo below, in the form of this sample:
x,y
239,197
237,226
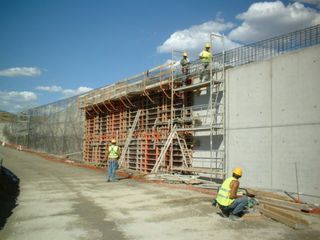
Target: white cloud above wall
x,y
73,92
17,101
52,88
64,92
20,72
312,2
194,38
267,19
261,21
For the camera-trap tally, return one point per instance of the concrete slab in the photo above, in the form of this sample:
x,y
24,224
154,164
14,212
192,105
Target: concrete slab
x,y
256,161
296,145
249,95
295,87
276,100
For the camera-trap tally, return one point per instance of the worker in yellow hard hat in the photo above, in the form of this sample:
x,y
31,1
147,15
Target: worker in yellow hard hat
x,y
113,154
231,204
185,64
206,58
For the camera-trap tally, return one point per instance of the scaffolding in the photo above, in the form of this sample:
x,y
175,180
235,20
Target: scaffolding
x,y
142,112
154,119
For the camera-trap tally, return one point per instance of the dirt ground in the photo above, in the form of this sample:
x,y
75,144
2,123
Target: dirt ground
x,y
61,201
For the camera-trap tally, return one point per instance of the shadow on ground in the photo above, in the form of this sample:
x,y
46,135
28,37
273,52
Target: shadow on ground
x,y
9,192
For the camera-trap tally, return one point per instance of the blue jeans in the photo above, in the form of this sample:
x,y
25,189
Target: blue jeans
x,y
237,207
112,167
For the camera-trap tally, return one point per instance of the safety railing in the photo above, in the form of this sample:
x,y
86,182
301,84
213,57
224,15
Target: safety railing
x,y
254,52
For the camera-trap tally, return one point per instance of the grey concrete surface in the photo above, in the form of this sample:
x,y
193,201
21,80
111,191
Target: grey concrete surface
x,y
60,201
273,122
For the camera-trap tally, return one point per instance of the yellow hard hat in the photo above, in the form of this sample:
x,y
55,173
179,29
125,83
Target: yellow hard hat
x,y
237,171
185,54
208,45
113,141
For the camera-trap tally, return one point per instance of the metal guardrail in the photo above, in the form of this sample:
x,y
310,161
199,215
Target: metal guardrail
x,y
254,52
272,47
61,120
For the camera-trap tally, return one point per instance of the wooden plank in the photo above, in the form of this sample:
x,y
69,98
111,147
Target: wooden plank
x,y
258,194
295,221
296,216
198,169
285,204
252,216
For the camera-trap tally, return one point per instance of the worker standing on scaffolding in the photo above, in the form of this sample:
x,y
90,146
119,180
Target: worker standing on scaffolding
x,y
113,156
185,65
206,58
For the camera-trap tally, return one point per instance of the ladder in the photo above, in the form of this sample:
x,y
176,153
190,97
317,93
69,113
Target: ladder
x,y
186,156
129,138
164,150
213,106
216,107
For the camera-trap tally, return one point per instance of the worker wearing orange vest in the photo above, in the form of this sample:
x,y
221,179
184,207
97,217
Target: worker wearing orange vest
x,y
113,156
231,204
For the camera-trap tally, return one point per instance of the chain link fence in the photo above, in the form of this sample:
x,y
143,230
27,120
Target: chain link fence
x,y
56,128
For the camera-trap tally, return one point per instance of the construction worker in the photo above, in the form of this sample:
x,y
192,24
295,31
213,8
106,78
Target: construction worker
x,y
206,58
113,156
185,65
231,204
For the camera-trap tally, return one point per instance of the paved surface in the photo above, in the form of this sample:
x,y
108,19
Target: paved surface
x,y
60,201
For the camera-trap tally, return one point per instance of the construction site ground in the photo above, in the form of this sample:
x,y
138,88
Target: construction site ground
x,y
63,201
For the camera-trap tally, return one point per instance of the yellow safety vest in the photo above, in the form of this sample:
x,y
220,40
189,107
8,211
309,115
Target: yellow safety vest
x,y
184,62
223,197
206,56
113,152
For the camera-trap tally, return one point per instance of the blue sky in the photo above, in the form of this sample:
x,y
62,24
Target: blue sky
x,y
50,49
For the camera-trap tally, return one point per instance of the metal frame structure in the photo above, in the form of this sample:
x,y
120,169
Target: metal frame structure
x,y
168,154
110,112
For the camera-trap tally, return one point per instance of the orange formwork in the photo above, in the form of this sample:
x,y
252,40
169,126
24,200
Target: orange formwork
x,y
151,115
113,119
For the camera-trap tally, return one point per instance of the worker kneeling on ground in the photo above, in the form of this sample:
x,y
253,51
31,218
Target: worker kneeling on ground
x,y
231,204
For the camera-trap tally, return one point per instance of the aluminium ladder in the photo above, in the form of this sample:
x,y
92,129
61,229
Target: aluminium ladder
x,y
129,138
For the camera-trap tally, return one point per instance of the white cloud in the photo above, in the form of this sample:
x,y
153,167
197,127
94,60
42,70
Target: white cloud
x,y
17,101
312,2
266,19
193,39
73,92
64,92
169,61
20,71
52,88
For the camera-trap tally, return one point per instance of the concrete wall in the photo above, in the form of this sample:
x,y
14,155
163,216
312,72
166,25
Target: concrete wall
x,y
273,122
